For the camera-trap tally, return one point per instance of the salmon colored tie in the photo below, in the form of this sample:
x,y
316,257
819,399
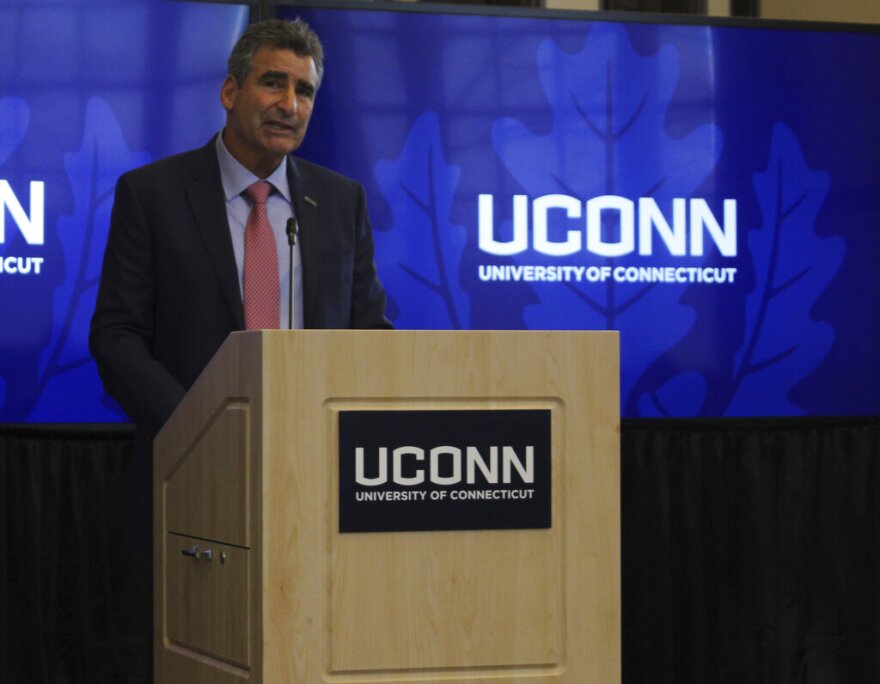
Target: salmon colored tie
x,y
262,295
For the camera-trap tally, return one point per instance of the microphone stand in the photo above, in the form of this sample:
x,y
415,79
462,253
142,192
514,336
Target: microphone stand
x,y
292,229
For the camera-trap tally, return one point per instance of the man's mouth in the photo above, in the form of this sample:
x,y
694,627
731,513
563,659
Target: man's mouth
x,y
280,126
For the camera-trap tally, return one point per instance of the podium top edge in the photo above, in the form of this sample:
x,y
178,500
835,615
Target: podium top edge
x,y
398,331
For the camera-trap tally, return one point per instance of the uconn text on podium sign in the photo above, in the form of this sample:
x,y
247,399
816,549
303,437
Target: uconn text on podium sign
x,y
444,470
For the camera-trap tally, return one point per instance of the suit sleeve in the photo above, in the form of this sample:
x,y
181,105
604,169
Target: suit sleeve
x,y
368,295
122,326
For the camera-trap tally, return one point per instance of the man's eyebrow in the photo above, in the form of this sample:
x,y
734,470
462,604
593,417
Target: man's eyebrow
x,y
304,85
272,76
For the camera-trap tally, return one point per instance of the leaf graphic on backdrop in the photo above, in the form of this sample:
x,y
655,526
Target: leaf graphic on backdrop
x,y
92,172
686,391
420,187
15,116
609,138
793,266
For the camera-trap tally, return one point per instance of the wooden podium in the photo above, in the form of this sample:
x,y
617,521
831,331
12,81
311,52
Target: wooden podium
x,y
255,583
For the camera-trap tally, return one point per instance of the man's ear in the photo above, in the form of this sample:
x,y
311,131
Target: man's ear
x,y
228,92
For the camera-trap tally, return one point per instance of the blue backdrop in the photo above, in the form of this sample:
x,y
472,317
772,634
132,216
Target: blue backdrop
x,y
88,90
713,192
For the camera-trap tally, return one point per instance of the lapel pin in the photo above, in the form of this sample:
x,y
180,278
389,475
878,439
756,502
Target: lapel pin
x,y
310,201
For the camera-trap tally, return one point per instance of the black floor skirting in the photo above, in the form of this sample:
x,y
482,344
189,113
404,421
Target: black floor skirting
x,y
750,553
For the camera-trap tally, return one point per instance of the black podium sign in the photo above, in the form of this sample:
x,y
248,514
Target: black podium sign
x,y
444,470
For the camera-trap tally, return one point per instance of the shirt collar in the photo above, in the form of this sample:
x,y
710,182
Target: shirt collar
x,y
236,178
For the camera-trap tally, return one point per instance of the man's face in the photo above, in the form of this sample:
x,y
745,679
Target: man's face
x,y
267,116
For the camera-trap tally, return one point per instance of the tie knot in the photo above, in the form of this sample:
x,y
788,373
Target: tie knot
x,y
258,192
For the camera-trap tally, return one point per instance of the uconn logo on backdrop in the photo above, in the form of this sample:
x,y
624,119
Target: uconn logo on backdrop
x,y
30,224
642,229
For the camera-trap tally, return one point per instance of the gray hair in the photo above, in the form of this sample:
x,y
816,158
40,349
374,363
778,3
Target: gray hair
x,y
275,34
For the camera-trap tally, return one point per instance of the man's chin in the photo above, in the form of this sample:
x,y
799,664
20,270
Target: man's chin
x,y
283,146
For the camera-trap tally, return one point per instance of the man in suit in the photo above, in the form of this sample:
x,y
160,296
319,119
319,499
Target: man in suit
x,y
174,270
175,280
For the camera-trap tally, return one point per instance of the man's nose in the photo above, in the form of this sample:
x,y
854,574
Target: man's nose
x,y
288,103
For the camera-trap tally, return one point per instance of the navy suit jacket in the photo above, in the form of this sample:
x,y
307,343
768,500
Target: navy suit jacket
x,y
169,293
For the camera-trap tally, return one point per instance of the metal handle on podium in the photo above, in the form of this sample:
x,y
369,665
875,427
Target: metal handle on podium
x,y
193,552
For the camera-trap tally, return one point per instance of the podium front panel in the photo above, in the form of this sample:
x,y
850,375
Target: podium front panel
x,y
439,596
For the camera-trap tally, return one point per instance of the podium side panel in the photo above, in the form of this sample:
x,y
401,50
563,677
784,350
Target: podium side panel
x,y
207,493
206,498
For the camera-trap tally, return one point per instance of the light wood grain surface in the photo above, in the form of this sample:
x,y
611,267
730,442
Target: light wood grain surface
x,y
512,606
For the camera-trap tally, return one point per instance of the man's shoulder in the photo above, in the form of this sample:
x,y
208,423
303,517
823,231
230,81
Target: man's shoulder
x,y
176,165
312,172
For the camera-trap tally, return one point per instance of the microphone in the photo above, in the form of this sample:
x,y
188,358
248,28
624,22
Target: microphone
x,y
292,229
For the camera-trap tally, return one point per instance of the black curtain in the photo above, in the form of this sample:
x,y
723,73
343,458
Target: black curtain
x,y
750,549
72,576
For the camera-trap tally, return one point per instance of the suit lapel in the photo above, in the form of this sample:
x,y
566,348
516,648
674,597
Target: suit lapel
x,y
305,206
205,193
